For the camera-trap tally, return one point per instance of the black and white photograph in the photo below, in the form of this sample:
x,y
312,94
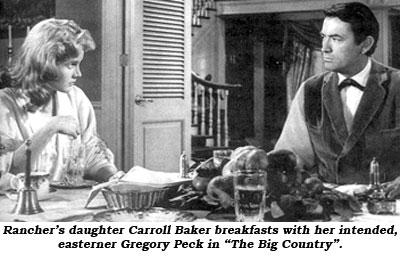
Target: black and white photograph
x,y
215,117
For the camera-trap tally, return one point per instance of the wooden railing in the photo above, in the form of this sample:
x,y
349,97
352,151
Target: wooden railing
x,y
210,110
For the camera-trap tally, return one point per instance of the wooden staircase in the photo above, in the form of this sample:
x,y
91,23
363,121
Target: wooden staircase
x,y
201,10
210,126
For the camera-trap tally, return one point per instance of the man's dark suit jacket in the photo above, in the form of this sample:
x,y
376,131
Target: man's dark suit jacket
x,y
343,156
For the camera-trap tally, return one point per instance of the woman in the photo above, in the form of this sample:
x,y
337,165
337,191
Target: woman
x,y
44,105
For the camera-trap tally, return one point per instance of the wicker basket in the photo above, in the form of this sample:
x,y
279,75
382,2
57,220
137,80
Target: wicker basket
x,y
135,199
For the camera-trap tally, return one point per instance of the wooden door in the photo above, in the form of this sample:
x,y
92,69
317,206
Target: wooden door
x,y
157,83
111,121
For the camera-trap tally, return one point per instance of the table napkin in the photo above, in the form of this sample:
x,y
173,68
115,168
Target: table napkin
x,y
139,178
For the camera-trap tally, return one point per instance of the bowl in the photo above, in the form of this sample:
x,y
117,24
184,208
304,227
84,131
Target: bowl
x,y
133,199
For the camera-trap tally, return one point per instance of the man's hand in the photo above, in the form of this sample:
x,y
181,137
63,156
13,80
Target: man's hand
x,y
392,188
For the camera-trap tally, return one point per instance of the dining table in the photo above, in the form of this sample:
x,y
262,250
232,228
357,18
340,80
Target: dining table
x,y
62,204
66,205
69,205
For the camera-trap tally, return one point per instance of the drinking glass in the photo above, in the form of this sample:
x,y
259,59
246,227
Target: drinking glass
x,y
46,161
220,155
73,163
250,187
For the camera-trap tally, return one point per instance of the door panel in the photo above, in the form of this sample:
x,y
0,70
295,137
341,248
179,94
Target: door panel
x,y
162,139
163,49
158,41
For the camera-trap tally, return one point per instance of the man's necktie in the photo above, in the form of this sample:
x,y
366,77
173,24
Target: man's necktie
x,y
350,82
348,114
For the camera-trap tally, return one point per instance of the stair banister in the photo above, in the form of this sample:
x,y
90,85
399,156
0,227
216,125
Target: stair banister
x,y
211,121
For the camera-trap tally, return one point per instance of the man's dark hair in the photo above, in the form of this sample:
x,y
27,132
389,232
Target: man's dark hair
x,y
362,20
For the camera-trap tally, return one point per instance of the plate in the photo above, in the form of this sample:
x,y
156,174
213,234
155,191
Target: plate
x,y
155,214
13,195
64,185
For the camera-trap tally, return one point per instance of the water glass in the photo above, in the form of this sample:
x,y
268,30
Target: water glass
x,y
45,162
250,189
74,171
220,155
73,163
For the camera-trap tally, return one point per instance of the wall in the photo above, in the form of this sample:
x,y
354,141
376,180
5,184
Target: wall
x,y
205,49
87,13
16,43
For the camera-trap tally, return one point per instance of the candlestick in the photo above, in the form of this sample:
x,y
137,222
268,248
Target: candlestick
x,y
374,176
10,53
10,49
27,202
28,165
27,29
9,36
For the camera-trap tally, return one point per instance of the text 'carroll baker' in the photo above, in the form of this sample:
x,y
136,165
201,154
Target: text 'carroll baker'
x,y
166,229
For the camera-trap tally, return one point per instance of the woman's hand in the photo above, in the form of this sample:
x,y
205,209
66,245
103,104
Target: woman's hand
x,y
105,173
67,125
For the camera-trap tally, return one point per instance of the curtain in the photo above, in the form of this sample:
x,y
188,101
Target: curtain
x,y
299,69
301,40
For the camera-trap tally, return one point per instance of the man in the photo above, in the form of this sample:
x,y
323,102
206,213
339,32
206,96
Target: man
x,y
336,126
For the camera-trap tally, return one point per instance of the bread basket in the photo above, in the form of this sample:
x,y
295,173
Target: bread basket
x,y
141,189
136,198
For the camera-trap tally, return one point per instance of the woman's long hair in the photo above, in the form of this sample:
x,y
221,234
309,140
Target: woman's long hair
x,y
48,44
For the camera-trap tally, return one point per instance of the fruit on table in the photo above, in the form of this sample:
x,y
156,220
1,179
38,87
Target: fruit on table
x,y
221,188
282,171
248,157
280,166
314,185
238,159
292,194
229,168
200,183
283,160
256,160
240,150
